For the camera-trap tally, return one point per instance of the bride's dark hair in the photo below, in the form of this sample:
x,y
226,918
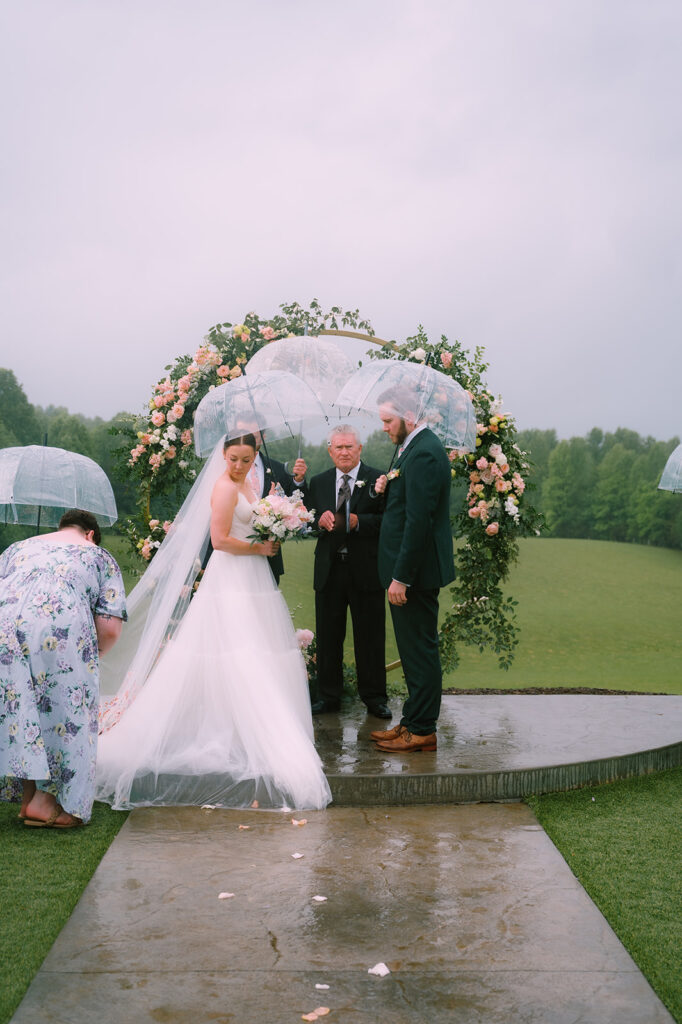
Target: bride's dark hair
x,y
247,439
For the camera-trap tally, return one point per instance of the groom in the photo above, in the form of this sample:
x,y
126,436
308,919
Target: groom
x,y
415,561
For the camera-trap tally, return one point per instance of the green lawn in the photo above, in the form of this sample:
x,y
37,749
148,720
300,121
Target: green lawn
x,y
592,614
624,844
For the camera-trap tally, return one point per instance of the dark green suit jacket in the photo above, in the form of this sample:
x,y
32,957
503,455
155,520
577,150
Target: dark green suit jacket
x,y
415,543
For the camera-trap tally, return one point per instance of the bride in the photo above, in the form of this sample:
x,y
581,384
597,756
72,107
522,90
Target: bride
x,y
214,707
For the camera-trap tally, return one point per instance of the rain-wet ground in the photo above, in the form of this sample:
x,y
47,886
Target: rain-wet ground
x,y
471,908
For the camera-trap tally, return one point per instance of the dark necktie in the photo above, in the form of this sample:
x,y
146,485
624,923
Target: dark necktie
x,y
344,492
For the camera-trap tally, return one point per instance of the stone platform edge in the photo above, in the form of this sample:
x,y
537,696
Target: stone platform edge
x,y
488,787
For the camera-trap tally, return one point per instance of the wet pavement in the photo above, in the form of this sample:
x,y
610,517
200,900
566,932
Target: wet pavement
x,y
472,909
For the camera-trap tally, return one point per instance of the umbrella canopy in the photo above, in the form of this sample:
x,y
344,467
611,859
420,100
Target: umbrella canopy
x,y
275,401
38,484
416,392
317,361
671,479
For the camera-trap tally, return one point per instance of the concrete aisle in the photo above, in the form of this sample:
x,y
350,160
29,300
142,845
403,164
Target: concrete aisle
x,y
471,907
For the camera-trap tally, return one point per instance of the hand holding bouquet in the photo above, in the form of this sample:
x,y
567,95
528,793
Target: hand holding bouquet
x,y
278,517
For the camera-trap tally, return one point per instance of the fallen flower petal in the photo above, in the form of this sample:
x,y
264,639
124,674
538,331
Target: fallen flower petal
x,y
243,828
255,804
301,821
225,895
320,899
208,807
381,970
322,987
297,856
309,1016
322,1011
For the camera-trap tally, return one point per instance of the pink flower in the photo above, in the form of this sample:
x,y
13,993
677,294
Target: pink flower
x,y
518,483
502,486
481,463
504,468
474,476
446,359
303,636
236,371
186,437
159,401
146,550
223,371
171,453
474,512
492,528
158,418
487,476
155,460
178,410
268,333
153,523
167,525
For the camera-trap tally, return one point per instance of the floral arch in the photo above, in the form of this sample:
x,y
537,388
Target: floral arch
x,y
158,452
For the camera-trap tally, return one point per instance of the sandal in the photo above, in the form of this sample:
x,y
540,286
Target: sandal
x,y
51,822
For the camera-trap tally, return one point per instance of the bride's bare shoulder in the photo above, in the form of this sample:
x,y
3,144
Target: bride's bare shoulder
x,y
225,492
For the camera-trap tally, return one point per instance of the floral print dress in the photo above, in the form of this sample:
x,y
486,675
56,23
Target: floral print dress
x,y
49,666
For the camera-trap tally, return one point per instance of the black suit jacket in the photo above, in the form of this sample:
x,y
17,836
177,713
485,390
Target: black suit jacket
x,y
321,494
415,546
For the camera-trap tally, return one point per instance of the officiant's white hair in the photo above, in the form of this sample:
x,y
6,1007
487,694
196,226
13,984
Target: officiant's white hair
x,y
345,428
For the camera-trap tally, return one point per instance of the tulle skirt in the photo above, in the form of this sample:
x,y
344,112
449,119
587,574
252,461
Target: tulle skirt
x,y
224,717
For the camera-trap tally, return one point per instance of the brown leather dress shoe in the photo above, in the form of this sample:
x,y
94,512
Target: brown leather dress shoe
x,y
387,734
408,742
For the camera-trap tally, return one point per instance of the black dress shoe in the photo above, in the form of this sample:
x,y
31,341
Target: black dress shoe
x,y
322,707
379,710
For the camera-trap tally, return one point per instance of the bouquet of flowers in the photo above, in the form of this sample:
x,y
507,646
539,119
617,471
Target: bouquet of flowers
x,y
278,517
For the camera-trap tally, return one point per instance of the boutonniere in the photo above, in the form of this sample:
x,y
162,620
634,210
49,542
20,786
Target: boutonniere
x,y
268,471
360,483
393,475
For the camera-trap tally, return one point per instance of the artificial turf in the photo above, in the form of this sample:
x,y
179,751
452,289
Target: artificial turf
x,y
623,842
42,875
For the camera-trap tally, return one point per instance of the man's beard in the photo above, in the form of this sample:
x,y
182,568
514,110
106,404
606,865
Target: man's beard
x,y
401,433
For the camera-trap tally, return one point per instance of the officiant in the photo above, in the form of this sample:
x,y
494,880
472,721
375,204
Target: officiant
x,y
347,522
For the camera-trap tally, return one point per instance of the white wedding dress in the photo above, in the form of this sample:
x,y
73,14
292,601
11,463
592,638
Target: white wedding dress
x,y
224,717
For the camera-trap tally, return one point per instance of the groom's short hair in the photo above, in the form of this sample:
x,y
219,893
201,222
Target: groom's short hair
x,y
402,400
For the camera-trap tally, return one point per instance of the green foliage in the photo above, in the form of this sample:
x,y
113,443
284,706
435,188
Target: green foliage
x,y
17,417
624,844
605,486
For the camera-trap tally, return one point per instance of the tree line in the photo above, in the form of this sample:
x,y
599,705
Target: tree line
x,y
601,486
604,486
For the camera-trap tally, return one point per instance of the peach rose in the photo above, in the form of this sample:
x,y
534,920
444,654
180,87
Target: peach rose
x,y
492,528
446,359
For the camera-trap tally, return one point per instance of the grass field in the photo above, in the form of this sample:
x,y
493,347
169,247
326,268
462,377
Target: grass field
x,y
592,613
624,844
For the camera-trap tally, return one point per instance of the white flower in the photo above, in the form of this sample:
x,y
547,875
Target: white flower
x,y
182,464
418,354
497,406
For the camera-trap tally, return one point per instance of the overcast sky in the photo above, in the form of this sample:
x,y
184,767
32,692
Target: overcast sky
x,y
506,172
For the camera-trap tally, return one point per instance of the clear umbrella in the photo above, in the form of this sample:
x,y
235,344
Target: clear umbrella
x,y
38,484
671,480
275,401
317,361
416,392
